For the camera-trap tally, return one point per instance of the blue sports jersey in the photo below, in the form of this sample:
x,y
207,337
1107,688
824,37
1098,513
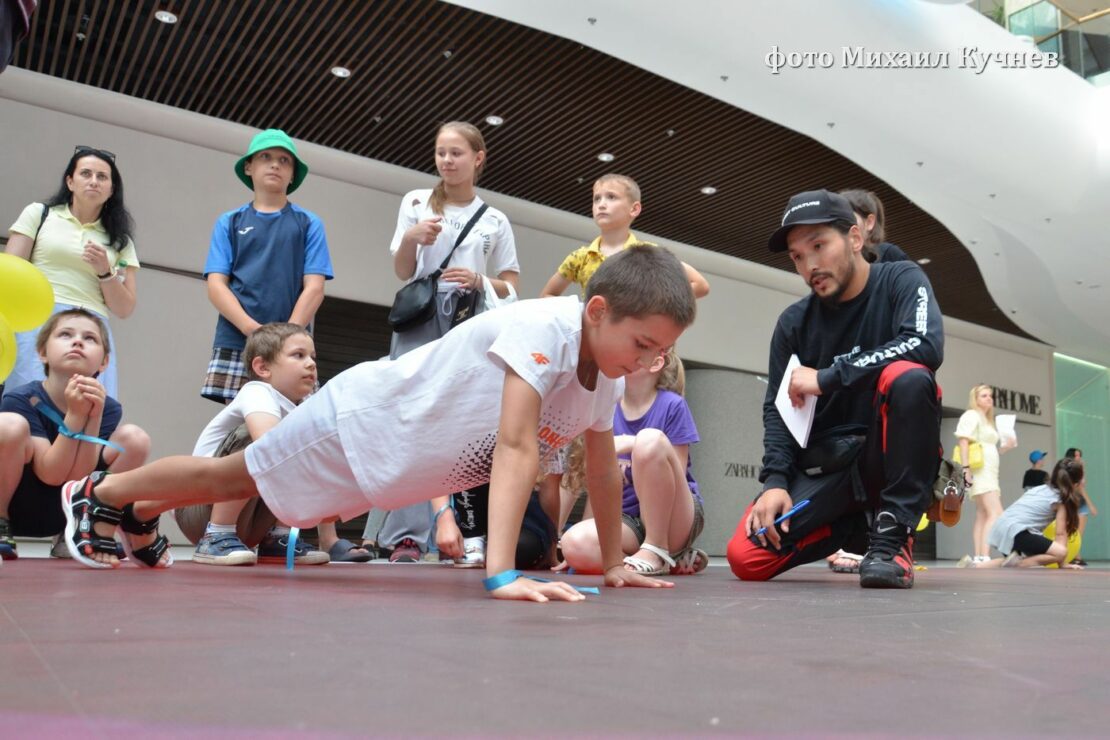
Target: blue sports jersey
x,y
266,256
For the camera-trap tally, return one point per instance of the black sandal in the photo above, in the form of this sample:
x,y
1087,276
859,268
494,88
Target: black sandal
x,y
151,555
82,509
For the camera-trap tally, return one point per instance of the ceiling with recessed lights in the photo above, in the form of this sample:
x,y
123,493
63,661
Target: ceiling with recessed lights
x,y
556,114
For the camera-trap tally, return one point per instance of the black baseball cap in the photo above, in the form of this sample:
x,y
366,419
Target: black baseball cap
x,y
811,207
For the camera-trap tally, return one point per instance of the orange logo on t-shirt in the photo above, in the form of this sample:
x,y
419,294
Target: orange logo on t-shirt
x,y
540,358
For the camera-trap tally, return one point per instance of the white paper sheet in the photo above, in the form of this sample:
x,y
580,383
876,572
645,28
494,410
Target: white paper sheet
x,y
1007,433
798,420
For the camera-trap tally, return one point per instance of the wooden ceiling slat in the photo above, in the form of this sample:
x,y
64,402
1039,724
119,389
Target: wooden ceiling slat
x,y
222,87
68,62
138,67
118,54
198,84
270,73
311,78
79,73
168,38
403,69
59,37
234,91
175,39
364,78
100,33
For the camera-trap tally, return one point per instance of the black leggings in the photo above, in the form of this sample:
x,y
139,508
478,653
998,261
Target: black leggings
x,y
537,531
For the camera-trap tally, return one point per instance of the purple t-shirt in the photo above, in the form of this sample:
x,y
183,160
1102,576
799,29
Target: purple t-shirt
x,y
669,414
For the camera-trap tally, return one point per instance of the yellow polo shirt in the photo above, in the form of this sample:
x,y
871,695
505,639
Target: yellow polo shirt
x,y
581,264
57,252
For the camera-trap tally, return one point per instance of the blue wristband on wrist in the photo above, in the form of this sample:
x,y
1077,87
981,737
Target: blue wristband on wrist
x,y
442,509
505,577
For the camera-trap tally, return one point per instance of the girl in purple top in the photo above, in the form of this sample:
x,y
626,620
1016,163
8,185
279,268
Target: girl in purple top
x,y
663,512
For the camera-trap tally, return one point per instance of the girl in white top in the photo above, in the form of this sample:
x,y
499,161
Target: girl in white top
x,y
80,239
1018,533
977,425
428,224
430,221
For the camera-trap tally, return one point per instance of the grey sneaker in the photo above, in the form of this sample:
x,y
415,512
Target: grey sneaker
x,y
272,550
223,548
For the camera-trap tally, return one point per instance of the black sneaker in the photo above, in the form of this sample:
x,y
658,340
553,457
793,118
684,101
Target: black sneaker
x,y
889,559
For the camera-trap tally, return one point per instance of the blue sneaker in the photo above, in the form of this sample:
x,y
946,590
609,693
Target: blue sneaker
x,y
272,550
223,548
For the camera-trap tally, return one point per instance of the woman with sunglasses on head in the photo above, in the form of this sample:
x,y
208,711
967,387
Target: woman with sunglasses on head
x,y
80,239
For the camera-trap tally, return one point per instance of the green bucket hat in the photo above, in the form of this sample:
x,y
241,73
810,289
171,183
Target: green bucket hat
x,y
268,139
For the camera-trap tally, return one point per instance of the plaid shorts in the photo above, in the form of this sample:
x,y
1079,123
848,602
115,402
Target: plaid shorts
x,y
226,375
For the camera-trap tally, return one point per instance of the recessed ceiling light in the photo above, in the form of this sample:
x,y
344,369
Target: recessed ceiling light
x,y
670,132
924,261
494,120
605,157
165,16
709,190
446,53
341,72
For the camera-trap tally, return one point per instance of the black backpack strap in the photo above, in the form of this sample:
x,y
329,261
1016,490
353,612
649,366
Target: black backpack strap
x,y
45,213
462,234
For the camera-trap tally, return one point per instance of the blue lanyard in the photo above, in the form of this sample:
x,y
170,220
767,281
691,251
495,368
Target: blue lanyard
x,y
65,431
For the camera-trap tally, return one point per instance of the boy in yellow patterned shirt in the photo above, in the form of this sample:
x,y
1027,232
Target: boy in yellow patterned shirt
x,y
616,205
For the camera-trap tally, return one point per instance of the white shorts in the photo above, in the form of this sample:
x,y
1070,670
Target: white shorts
x,y
300,468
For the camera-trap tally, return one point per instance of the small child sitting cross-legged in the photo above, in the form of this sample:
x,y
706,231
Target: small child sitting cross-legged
x,y
281,362
54,430
662,509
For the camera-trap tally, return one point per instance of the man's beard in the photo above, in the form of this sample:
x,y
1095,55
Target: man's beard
x,y
832,300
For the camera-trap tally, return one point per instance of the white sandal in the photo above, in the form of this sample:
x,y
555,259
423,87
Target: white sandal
x,y
644,568
690,561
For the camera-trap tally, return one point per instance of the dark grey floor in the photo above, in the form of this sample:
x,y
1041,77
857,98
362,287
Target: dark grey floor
x,y
419,650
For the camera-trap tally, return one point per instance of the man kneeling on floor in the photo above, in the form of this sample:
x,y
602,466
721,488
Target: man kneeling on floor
x,y
869,340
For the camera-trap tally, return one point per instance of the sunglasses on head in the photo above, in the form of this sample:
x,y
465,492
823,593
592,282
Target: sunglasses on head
x,y
102,153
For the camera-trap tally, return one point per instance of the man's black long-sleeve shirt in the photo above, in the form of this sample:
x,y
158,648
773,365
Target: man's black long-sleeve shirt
x,y
895,317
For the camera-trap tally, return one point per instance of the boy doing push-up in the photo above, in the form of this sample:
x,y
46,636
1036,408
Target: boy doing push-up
x,y
486,403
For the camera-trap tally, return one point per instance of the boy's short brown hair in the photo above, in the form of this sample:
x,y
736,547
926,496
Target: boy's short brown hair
x,y
52,323
625,181
644,280
266,342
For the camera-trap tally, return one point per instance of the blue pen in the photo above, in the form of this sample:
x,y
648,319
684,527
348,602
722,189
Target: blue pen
x,y
793,510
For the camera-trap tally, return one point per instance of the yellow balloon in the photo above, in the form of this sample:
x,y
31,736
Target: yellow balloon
x,y
921,525
1074,543
7,349
26,297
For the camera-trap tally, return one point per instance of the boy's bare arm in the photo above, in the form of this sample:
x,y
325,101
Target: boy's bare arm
x,y
556,285
312,295
515,465
698,283
220,295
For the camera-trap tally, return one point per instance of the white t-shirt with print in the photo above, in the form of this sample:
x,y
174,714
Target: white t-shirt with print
x,y
489,245
254,397
426,423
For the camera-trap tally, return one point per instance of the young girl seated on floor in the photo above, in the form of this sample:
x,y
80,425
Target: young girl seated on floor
x,y
1017,533
662,507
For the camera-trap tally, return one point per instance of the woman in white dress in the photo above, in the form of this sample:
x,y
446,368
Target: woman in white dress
x,y
977,425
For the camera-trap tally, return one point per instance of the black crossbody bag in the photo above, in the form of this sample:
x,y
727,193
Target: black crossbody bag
x,y
415,303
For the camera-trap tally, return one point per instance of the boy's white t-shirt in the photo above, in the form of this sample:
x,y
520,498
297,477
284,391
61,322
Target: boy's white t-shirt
x,y
253,398
490,243
426,423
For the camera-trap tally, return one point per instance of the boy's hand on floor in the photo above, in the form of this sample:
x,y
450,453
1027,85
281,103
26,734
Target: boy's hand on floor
x,y
618,577
525,589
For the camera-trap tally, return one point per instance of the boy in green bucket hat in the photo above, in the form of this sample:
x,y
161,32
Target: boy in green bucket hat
x,y
267,261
